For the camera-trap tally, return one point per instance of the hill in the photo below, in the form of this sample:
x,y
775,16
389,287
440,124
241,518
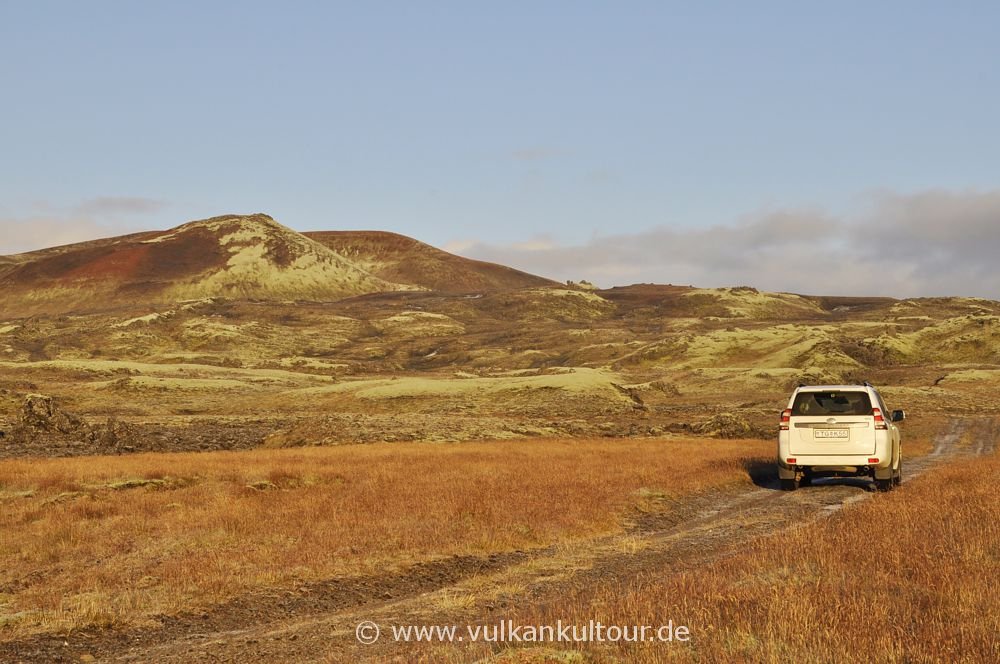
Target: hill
x,y
241,257
250,257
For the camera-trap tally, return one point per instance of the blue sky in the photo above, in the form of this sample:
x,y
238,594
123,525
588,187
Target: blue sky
x,y
490,127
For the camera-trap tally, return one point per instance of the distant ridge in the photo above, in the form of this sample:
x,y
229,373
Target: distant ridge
x,y
238,257
398,258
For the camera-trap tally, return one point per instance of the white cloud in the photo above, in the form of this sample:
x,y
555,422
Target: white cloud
x,y
458,246
537,243
931,243
48,226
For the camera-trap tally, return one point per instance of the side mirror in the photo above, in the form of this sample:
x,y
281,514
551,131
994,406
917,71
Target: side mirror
x,y
898,416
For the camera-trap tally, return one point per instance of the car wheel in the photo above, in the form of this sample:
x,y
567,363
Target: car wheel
x,y
884,485
806,480
898,479
789,485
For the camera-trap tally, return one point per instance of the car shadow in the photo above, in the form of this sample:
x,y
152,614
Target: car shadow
x,y
856,482
763,473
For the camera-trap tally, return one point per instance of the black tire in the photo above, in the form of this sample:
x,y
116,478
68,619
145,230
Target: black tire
x,y
806,480
898,479
789,485
884,486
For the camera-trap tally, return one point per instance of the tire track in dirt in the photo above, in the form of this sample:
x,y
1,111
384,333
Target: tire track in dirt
x,y
316,623
947,439
328,596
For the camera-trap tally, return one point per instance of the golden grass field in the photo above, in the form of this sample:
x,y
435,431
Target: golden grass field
x,y
118,541
903,577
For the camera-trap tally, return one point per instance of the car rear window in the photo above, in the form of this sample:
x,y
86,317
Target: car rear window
x,y
832,403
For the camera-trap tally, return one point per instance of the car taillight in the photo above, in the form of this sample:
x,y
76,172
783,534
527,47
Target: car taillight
x,y
879,420
786,415
873,460
790,460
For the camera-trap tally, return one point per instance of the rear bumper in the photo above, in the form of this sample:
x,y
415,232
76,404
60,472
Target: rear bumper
x,y
834,462
835,466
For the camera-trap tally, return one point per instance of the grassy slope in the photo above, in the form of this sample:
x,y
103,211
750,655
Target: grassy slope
x,y
119,540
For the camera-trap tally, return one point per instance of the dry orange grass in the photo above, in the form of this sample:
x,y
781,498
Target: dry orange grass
x,y
118,540
903,577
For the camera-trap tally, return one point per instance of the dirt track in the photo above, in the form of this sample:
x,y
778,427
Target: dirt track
x,y
316,622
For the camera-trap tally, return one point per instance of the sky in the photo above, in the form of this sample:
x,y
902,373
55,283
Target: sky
x,y
827,148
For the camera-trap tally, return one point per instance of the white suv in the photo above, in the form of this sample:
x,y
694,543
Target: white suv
x,y
838,431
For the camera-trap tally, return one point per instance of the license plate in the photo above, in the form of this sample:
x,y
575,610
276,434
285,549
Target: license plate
x,y
831,433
